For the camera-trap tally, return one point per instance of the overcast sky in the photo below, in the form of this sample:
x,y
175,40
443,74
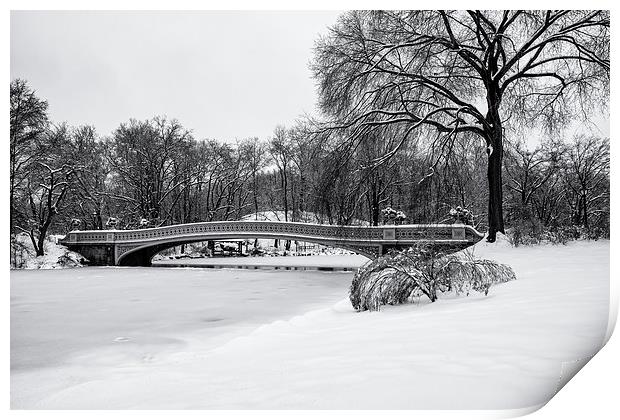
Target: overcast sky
x,y
224,75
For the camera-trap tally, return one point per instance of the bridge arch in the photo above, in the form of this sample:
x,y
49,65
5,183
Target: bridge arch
x,y
143,254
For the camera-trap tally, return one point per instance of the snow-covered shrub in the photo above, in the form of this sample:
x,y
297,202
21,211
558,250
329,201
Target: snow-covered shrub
x,y
20,253
533,233
461,215
112,223
69,259
393,217
463,274
75,224
399,277
564,234
386,286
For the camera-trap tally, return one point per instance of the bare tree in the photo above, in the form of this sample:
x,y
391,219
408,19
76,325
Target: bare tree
x,y
302,153
142,157
445,73
528,170
28,122
281,152
377,181
47,184
44,201
85,153
587,178
255,153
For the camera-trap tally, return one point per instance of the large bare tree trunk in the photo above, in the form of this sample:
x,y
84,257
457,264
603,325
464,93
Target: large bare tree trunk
x,y
494,177
35,244
495,152
40,244
287,243
585,211
374,206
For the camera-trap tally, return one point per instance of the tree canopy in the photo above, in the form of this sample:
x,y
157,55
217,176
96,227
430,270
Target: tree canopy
x,y
440,74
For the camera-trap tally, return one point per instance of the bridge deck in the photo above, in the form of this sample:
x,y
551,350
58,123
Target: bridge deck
x,y
137,247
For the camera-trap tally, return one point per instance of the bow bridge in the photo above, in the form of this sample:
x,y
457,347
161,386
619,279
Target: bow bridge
x,y
137,247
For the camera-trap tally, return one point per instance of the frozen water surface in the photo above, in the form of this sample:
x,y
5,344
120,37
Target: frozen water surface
x,y
104,317
335,261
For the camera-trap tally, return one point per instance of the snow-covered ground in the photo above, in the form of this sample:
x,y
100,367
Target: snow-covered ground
x,y
174,338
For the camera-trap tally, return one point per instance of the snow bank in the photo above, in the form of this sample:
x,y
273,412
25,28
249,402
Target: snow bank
x,y
56,255
512,349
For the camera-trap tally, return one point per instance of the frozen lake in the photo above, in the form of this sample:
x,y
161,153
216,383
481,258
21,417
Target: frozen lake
x,y
113,317
334,262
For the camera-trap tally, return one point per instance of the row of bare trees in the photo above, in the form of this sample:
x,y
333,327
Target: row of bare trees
x,y
146,173
155,172
559,184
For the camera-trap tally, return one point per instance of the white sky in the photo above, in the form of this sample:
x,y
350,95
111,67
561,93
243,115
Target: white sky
x,y
224,75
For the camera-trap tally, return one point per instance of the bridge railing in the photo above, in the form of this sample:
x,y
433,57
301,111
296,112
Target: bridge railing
x,y
387,233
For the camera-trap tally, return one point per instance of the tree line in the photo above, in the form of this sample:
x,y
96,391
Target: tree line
x,y
154,173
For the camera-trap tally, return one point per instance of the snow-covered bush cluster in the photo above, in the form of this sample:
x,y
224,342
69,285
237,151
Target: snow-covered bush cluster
x,y
399,277
531,232
461,215
56,255
392,217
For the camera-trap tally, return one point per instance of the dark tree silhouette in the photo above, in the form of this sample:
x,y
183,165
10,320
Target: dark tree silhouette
x,y
442,74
